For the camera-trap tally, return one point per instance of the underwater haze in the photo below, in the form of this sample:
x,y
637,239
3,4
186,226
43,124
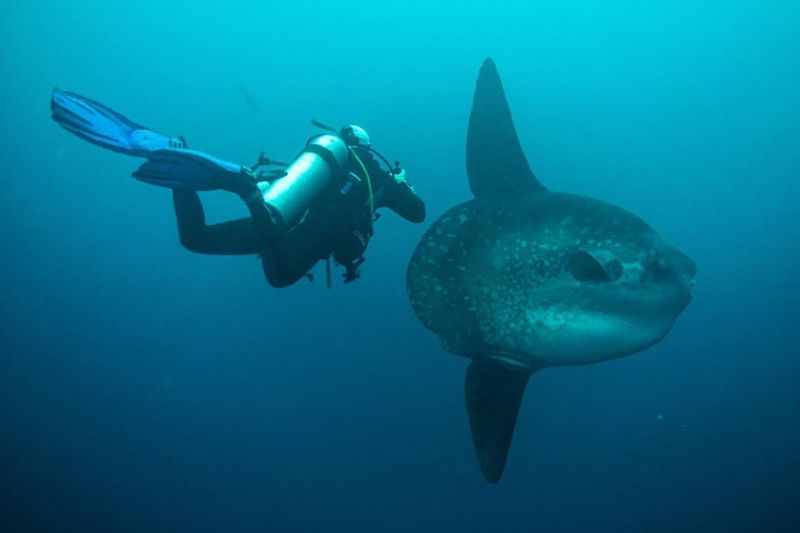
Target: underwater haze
x,y
146,388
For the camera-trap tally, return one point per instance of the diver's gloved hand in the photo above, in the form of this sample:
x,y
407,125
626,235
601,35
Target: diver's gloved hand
x,y
195,170
399,175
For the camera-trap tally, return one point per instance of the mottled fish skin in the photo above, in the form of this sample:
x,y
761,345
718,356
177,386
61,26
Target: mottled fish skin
x,y
437,279
522,278
492,279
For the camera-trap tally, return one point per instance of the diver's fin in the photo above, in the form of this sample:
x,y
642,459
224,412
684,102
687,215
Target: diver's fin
x,y
493,393
496,165
191,169
101,125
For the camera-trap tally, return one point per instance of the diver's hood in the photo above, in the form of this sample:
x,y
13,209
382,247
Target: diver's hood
x,y
355,135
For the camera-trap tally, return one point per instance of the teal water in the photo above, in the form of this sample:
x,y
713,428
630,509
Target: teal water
x,y
144,388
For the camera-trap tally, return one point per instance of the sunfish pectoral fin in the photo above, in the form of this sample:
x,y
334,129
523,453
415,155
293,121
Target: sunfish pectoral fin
x,y
493,396
496,164
585,267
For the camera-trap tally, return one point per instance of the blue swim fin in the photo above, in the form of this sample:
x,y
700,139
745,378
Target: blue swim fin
x,y
191,169
105,127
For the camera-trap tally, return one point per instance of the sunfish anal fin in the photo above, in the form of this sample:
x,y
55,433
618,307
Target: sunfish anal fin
x,y
496,164
493,396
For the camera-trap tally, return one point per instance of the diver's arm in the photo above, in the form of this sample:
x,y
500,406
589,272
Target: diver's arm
x,y
236,237
402,199
396,193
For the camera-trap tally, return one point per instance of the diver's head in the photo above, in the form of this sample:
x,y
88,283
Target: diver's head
x,y
355,135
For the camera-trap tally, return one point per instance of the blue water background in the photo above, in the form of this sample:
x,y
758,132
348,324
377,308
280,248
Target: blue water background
x,y
144,388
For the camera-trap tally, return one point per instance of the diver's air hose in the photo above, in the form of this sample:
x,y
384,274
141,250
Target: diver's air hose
x,y
369,187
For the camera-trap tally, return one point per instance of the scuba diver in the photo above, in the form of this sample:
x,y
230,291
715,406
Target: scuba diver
x,y
320,206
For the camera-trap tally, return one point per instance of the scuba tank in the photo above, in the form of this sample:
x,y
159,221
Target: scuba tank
x,y
317,179
288,197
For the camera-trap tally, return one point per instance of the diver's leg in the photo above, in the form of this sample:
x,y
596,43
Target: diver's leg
x,y
290,257
236,237
251,195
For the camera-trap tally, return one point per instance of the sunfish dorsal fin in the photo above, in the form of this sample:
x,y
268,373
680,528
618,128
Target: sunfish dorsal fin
x,y
496,165
493,395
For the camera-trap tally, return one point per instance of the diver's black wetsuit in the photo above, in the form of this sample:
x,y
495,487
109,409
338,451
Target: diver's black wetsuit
x,y
327,229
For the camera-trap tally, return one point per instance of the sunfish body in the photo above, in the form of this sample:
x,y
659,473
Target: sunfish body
x,y
522,278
